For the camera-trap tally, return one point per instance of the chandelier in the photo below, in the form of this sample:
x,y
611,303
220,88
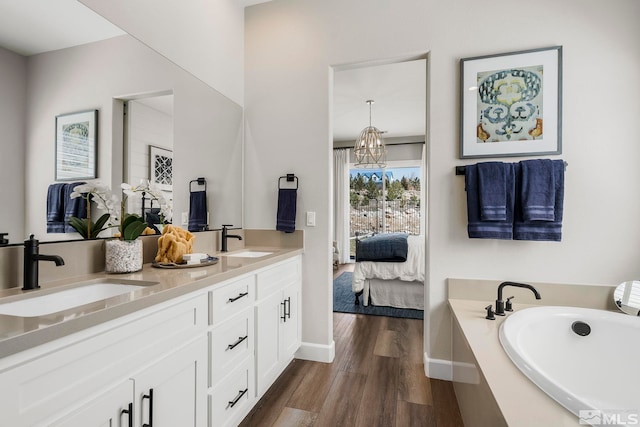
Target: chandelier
x,y
369,150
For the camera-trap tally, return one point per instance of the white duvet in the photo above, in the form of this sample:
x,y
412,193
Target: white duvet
x,y
410,270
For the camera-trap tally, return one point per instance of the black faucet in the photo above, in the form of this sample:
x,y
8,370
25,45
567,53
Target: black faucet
x,y
31,258
226,235
500,304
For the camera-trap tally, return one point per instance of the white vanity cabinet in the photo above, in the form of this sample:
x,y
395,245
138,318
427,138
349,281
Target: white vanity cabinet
x,y
278,326
90,377
231,351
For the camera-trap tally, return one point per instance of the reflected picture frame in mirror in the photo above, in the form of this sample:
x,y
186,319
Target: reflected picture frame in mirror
x,y
627,297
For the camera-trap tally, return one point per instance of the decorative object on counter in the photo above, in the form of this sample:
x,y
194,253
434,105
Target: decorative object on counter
x,y
76,145
627,297
123,256
198,212
511,104
369,149
519,201
174,243
287,205
204,262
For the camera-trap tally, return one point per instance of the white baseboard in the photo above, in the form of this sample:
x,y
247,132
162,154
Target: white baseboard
x,y
438,368
317,352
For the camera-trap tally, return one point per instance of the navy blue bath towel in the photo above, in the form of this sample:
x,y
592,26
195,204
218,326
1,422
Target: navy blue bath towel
x,y
492,191
55,208
550,196
478,227
197,211
286,217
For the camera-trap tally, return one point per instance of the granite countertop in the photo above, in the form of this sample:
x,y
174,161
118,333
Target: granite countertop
x,y
21,333
521,402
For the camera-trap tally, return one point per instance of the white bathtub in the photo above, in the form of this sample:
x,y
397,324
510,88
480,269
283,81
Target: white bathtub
x,y
599,372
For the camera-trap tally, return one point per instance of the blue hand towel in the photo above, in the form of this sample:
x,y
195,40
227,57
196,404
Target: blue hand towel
x,y
541,230
73,207
286,217
538,190
55,208
482,229
492,191
197,211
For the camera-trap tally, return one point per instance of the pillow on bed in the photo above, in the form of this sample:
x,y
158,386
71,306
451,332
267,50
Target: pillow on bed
x,y
384,247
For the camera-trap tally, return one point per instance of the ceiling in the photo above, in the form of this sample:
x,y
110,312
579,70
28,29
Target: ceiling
x,y
399,92
58,24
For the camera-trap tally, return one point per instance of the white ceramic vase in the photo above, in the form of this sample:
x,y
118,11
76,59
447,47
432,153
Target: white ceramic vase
x,y
123,256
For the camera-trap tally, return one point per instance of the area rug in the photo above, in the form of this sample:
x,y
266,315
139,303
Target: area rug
x,y
344,298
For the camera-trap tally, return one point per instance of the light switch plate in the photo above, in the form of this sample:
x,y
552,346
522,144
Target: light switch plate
x,y
311,219
185,218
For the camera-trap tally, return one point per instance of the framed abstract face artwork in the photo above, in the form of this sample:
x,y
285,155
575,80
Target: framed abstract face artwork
x,y
511,104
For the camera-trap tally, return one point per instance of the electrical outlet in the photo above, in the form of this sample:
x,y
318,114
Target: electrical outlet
x,y
185,218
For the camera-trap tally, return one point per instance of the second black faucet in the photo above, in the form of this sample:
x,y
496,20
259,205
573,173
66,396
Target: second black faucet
x,y
500,303
226,235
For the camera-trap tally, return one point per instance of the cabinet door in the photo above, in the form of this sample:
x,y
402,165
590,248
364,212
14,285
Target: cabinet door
x,y
290,326
107,410
269,312
173,390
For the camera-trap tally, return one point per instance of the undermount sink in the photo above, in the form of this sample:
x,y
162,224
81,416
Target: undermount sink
x,y
41,304
249,254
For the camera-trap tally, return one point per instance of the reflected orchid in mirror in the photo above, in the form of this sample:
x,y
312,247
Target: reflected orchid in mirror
x,y
105,201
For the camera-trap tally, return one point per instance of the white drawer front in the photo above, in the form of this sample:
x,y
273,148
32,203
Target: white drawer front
x,y
232,399
229,344
275,278
230,299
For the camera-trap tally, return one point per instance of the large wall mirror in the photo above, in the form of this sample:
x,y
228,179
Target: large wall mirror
x,y
106,75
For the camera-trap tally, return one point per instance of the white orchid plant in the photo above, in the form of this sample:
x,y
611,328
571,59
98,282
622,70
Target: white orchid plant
x,y
130,226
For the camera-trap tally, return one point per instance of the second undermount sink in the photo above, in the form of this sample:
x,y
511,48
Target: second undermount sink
x,y
48,302
249,254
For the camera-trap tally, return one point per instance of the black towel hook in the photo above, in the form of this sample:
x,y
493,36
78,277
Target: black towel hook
x,y
290,178
200,181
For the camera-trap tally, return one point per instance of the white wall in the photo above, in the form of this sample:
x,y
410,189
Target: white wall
x,y
207,126
291,46
204,37
13,90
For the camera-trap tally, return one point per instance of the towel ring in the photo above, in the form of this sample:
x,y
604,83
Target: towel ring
x,y
290,178
200,181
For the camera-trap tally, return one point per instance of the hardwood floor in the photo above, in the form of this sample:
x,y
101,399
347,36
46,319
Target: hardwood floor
x,y
376,379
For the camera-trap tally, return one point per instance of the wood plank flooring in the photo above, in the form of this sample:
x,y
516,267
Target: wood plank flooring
x,y
376,379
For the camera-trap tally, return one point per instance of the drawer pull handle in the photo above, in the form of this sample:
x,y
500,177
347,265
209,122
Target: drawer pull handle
x,y
287,307
284,310
150,397
233,402
129,412
243,294
237,343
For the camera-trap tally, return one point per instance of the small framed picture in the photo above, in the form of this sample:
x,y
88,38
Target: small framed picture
x,y
161,167
511,104
76,146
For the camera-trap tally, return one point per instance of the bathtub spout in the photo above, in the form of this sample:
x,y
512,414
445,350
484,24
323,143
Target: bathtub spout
x,y
500,303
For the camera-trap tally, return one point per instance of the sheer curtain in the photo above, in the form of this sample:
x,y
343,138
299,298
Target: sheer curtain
x,y
341,202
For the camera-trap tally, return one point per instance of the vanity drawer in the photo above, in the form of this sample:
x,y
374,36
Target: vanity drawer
x,y
229,344
232,399
277,277
229,299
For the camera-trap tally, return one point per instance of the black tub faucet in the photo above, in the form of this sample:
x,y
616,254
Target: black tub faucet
x,y
31,258
226,235
500,303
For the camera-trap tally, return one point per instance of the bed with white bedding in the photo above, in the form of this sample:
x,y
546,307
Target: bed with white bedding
x,y
394,284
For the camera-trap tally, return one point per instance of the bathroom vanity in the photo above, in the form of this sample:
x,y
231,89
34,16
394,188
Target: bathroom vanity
x,y
192,347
